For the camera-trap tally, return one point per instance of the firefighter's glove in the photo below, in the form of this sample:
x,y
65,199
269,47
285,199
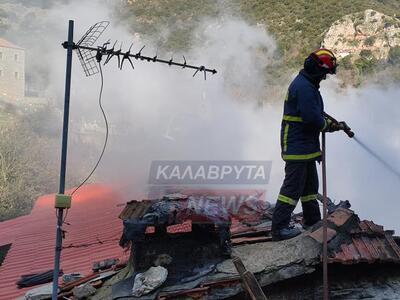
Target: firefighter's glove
x,y
332,126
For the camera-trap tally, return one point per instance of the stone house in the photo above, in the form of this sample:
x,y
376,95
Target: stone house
x,y
12,71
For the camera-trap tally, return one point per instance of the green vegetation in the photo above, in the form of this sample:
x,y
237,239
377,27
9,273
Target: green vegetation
x,y
298,26
26,169
29,147
178,17
345,62
367,54
29,161
394,56
353,43
369,41
365,64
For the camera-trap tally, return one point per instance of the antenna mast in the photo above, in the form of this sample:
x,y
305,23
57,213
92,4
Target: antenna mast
x,y
89,55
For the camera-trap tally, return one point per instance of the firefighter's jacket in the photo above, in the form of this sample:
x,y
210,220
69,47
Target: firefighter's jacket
x,y
303,120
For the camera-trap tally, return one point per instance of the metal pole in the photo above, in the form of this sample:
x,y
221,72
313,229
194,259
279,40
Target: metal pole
x,y
325,223
60,211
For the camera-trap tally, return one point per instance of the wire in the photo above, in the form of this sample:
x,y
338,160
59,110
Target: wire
x,y
65,216
85,245
106,137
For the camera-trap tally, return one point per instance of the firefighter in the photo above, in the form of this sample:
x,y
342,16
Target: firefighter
x,y
303,120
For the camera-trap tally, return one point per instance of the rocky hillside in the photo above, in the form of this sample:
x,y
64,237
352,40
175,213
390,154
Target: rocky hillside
x,y
365,32
369,29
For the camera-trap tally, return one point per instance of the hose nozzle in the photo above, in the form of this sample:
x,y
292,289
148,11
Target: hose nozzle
x,y
346,129
342,125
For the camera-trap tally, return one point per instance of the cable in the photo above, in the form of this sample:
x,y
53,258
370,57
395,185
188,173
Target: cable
x,y
106,137
85,245
65,217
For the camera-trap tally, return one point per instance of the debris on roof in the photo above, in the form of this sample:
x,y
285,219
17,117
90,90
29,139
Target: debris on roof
x,y
66,278
41,292
36,279
193,239
104,264
149,280
368,243
83,291
351,241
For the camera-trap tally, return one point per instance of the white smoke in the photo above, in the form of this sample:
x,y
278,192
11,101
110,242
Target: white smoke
x,y
353,174
158,112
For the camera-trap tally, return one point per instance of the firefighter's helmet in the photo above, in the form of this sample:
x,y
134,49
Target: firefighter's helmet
x,y
325,59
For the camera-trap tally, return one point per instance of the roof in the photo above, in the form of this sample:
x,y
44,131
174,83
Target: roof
x,y
369,243
351,241
6,44
92,235
9,229
254,210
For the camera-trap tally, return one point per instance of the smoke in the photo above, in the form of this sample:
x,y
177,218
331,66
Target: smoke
x,y
353,174
158,112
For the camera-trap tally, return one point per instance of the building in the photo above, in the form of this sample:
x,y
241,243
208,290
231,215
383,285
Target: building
x,y
12,71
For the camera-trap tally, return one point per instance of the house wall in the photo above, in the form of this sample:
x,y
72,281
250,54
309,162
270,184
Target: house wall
x,y
12,73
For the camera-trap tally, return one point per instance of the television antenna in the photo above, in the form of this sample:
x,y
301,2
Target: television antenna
x,y
90,57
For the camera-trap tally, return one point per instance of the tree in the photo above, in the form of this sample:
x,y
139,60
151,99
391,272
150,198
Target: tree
x,y
394,55
26,168
346,62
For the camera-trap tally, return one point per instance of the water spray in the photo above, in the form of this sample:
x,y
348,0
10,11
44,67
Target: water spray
x,y
378,158
343,126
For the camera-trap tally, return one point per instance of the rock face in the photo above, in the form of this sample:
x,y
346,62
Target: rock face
x,y
369,30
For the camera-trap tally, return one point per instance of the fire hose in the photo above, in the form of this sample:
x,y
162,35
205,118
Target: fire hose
x,y
344,127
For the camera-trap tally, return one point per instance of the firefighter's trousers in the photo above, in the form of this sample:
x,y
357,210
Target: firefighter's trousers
x,y
301,182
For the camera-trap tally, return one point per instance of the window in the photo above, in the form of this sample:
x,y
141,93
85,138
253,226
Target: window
x,y
1,55
16,57
16,75
1,73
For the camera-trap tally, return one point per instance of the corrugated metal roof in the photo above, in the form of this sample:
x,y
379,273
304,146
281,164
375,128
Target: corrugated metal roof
x,y
8,229
92,235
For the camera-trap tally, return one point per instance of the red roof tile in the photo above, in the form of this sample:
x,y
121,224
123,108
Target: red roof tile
x,y
92,235
369,243
6,44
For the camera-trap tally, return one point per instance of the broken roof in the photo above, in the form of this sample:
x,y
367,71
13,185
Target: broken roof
x,y
351,241
95,229
92,234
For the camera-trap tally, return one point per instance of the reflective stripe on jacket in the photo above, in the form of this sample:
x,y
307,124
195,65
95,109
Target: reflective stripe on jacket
x,y
302,121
